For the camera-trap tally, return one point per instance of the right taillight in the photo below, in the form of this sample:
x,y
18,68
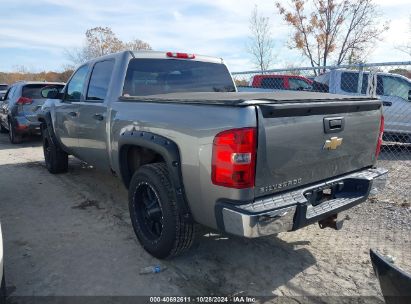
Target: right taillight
x,y
379,142
24,101
233,160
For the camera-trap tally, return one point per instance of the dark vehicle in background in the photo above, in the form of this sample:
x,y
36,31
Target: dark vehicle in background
x,y
19,107
281,82
395,283
3,89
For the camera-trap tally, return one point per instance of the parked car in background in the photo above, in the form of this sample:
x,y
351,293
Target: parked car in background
x,y
393,89
19,107
3,89
281,82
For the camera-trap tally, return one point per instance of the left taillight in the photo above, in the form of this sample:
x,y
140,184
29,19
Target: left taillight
x,y
24,101
234,156
379,142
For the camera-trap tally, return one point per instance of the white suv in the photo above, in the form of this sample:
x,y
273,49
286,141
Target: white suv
x,y
3,89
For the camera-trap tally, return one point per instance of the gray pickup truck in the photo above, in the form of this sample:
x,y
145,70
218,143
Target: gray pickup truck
x,y
191,149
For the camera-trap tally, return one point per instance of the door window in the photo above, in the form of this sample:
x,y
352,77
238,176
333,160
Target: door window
x,y
272,83
100,80
76,84
349,82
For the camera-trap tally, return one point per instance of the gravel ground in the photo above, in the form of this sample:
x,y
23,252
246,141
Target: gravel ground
x,y
70,234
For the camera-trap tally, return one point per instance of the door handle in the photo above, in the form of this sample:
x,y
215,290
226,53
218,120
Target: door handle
x,y
98,117
72,114
387,103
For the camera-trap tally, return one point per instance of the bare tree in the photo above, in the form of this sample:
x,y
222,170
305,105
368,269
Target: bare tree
x,y
332,29
101,41
261,45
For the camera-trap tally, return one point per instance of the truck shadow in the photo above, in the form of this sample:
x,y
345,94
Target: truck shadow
x,y
217,263
229,265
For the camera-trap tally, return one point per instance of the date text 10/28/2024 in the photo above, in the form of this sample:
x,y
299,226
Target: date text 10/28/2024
x,y
203,299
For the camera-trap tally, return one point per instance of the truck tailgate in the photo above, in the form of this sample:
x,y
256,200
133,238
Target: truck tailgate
x,y
307,142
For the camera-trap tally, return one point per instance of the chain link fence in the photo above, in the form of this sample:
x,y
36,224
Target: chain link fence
x,y
389,81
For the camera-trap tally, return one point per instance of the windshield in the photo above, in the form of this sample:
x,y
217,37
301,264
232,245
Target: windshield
x,y
3,87
160,76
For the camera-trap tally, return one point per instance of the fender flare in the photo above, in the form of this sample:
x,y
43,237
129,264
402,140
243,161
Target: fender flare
x,y
165,147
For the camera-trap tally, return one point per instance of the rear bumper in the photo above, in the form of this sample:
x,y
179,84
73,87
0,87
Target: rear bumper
x,y
292,210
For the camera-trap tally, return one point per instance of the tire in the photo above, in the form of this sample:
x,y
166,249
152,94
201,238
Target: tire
x,y
3,129
3,291
13,137
55,158
155,217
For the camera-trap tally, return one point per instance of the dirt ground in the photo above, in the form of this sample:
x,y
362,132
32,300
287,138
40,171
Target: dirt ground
x,y
70,234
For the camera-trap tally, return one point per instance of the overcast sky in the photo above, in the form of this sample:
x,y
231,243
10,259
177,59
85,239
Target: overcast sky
x,y
35,33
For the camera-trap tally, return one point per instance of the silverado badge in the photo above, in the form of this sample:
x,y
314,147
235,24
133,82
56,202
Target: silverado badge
x,y
332,143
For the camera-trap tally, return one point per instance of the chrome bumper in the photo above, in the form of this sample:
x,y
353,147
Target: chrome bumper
x,y
292,210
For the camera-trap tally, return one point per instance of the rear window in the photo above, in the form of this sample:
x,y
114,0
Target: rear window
x,y
3,87
161,76
272,83
33,91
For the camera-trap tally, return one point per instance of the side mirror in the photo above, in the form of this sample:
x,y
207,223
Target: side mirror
x,y
409,95
51,92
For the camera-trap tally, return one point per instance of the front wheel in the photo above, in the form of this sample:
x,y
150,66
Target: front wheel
x,y
159,227
2,129
56,159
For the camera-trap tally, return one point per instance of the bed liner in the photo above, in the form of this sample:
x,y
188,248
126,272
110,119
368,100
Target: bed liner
x,y
245,98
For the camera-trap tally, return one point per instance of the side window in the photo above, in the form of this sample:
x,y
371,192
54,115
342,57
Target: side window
x,y
298,84
272,83
7,95
10,93
76,84
349,82
364,85
100,80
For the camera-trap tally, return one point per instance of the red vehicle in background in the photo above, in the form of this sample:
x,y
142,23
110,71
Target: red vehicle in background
x,y
281,82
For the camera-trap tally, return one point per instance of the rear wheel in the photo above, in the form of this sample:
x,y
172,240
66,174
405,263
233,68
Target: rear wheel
x,y
13,136
156,220
2,129
55,158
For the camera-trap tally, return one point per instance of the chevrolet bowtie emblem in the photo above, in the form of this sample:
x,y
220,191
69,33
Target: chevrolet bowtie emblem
x,y
332,143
